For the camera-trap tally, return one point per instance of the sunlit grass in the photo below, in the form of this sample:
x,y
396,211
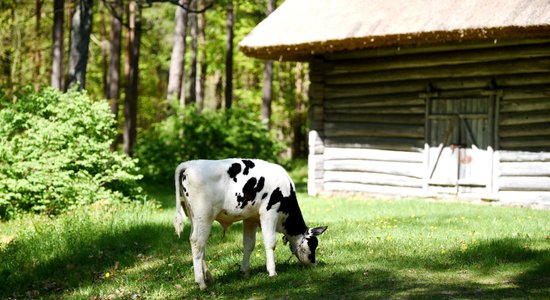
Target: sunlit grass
x,y
412,248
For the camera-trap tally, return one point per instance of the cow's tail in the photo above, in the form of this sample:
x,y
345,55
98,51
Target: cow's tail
x,y
179,219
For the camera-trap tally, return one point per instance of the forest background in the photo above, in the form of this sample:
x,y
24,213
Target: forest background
x,y
151,58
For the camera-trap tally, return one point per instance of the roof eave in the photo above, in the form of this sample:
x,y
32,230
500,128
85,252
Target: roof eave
x,y
306,51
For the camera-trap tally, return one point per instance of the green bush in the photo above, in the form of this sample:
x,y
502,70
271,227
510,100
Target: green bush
x,y
55,154
189,134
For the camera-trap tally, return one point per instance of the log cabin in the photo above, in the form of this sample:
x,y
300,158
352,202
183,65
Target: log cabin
x,y
421,98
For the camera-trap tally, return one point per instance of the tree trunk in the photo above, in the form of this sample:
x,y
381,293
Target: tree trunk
x,y
104,54
176,78
201,76
218,90
132,76
7,54
57,49
37,48
267,88
193,74
229,56
299,143
113,78
80,39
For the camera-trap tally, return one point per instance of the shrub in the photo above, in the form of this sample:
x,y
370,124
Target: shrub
x,y
55,154
235,132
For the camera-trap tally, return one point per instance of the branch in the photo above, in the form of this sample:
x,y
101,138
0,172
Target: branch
x,y
176,2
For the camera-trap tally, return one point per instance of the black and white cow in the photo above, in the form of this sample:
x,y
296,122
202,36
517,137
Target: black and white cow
x,y
231,190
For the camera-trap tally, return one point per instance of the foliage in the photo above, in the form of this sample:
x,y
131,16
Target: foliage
x,y
373,249
55,154
188,134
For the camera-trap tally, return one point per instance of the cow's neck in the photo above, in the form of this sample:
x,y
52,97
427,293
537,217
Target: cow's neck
x,y
294,224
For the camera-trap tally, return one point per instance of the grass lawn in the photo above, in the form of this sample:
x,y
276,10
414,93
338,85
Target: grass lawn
x,y
410,248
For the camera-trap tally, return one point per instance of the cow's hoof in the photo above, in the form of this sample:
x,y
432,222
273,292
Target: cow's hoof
x,y
274,274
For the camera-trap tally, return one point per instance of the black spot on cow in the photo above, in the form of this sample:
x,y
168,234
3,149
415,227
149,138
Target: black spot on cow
x,y
312,243
234,170
264,195
248,164
294,223
250,189
185,191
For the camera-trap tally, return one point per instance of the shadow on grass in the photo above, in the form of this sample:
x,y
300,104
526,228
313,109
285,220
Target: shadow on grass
x,y
82,260
86,262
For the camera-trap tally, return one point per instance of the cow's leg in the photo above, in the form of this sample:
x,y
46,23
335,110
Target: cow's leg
x,y
269,224
198,238
249,241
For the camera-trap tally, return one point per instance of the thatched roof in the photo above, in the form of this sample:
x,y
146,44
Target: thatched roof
x,y
299,29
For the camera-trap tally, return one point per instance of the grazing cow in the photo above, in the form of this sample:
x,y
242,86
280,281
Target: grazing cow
x,y
230,190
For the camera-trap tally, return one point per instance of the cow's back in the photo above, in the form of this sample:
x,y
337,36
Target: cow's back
x,y
235,189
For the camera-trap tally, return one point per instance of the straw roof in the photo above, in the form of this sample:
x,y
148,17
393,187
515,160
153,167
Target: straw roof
x,y
299,29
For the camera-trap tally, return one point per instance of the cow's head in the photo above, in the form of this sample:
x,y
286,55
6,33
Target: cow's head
x,y
305,245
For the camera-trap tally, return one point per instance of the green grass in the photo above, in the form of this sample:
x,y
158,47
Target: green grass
x,y
373,249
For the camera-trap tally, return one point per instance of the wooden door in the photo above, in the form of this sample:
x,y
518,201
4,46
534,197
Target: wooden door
x,y
459,158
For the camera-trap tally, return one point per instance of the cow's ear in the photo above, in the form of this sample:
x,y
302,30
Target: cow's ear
x,y
318,230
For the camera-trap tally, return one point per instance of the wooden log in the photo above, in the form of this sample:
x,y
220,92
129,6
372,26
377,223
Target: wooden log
x,y
530,183
534,130
526,91
516,86
413,119
468,70
375,189
372,178
525,143
388,110
412,87
526,197
315,143
524,117
317,112
399,144
522,156
376,101
525,79
442,59
382,167
524,168
542,103
412,49
332,153
317,91
373,129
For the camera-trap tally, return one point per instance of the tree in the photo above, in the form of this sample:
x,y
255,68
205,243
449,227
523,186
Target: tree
x,y
57,49
37,54
298,116
201,75
80,39
229,55
176,78
113,77
267,92
193,72
133,36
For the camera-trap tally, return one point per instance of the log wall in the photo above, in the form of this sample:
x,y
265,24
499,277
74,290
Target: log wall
x,y
369,118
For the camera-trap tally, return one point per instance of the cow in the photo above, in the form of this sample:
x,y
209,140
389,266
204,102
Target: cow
x,y
255,191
